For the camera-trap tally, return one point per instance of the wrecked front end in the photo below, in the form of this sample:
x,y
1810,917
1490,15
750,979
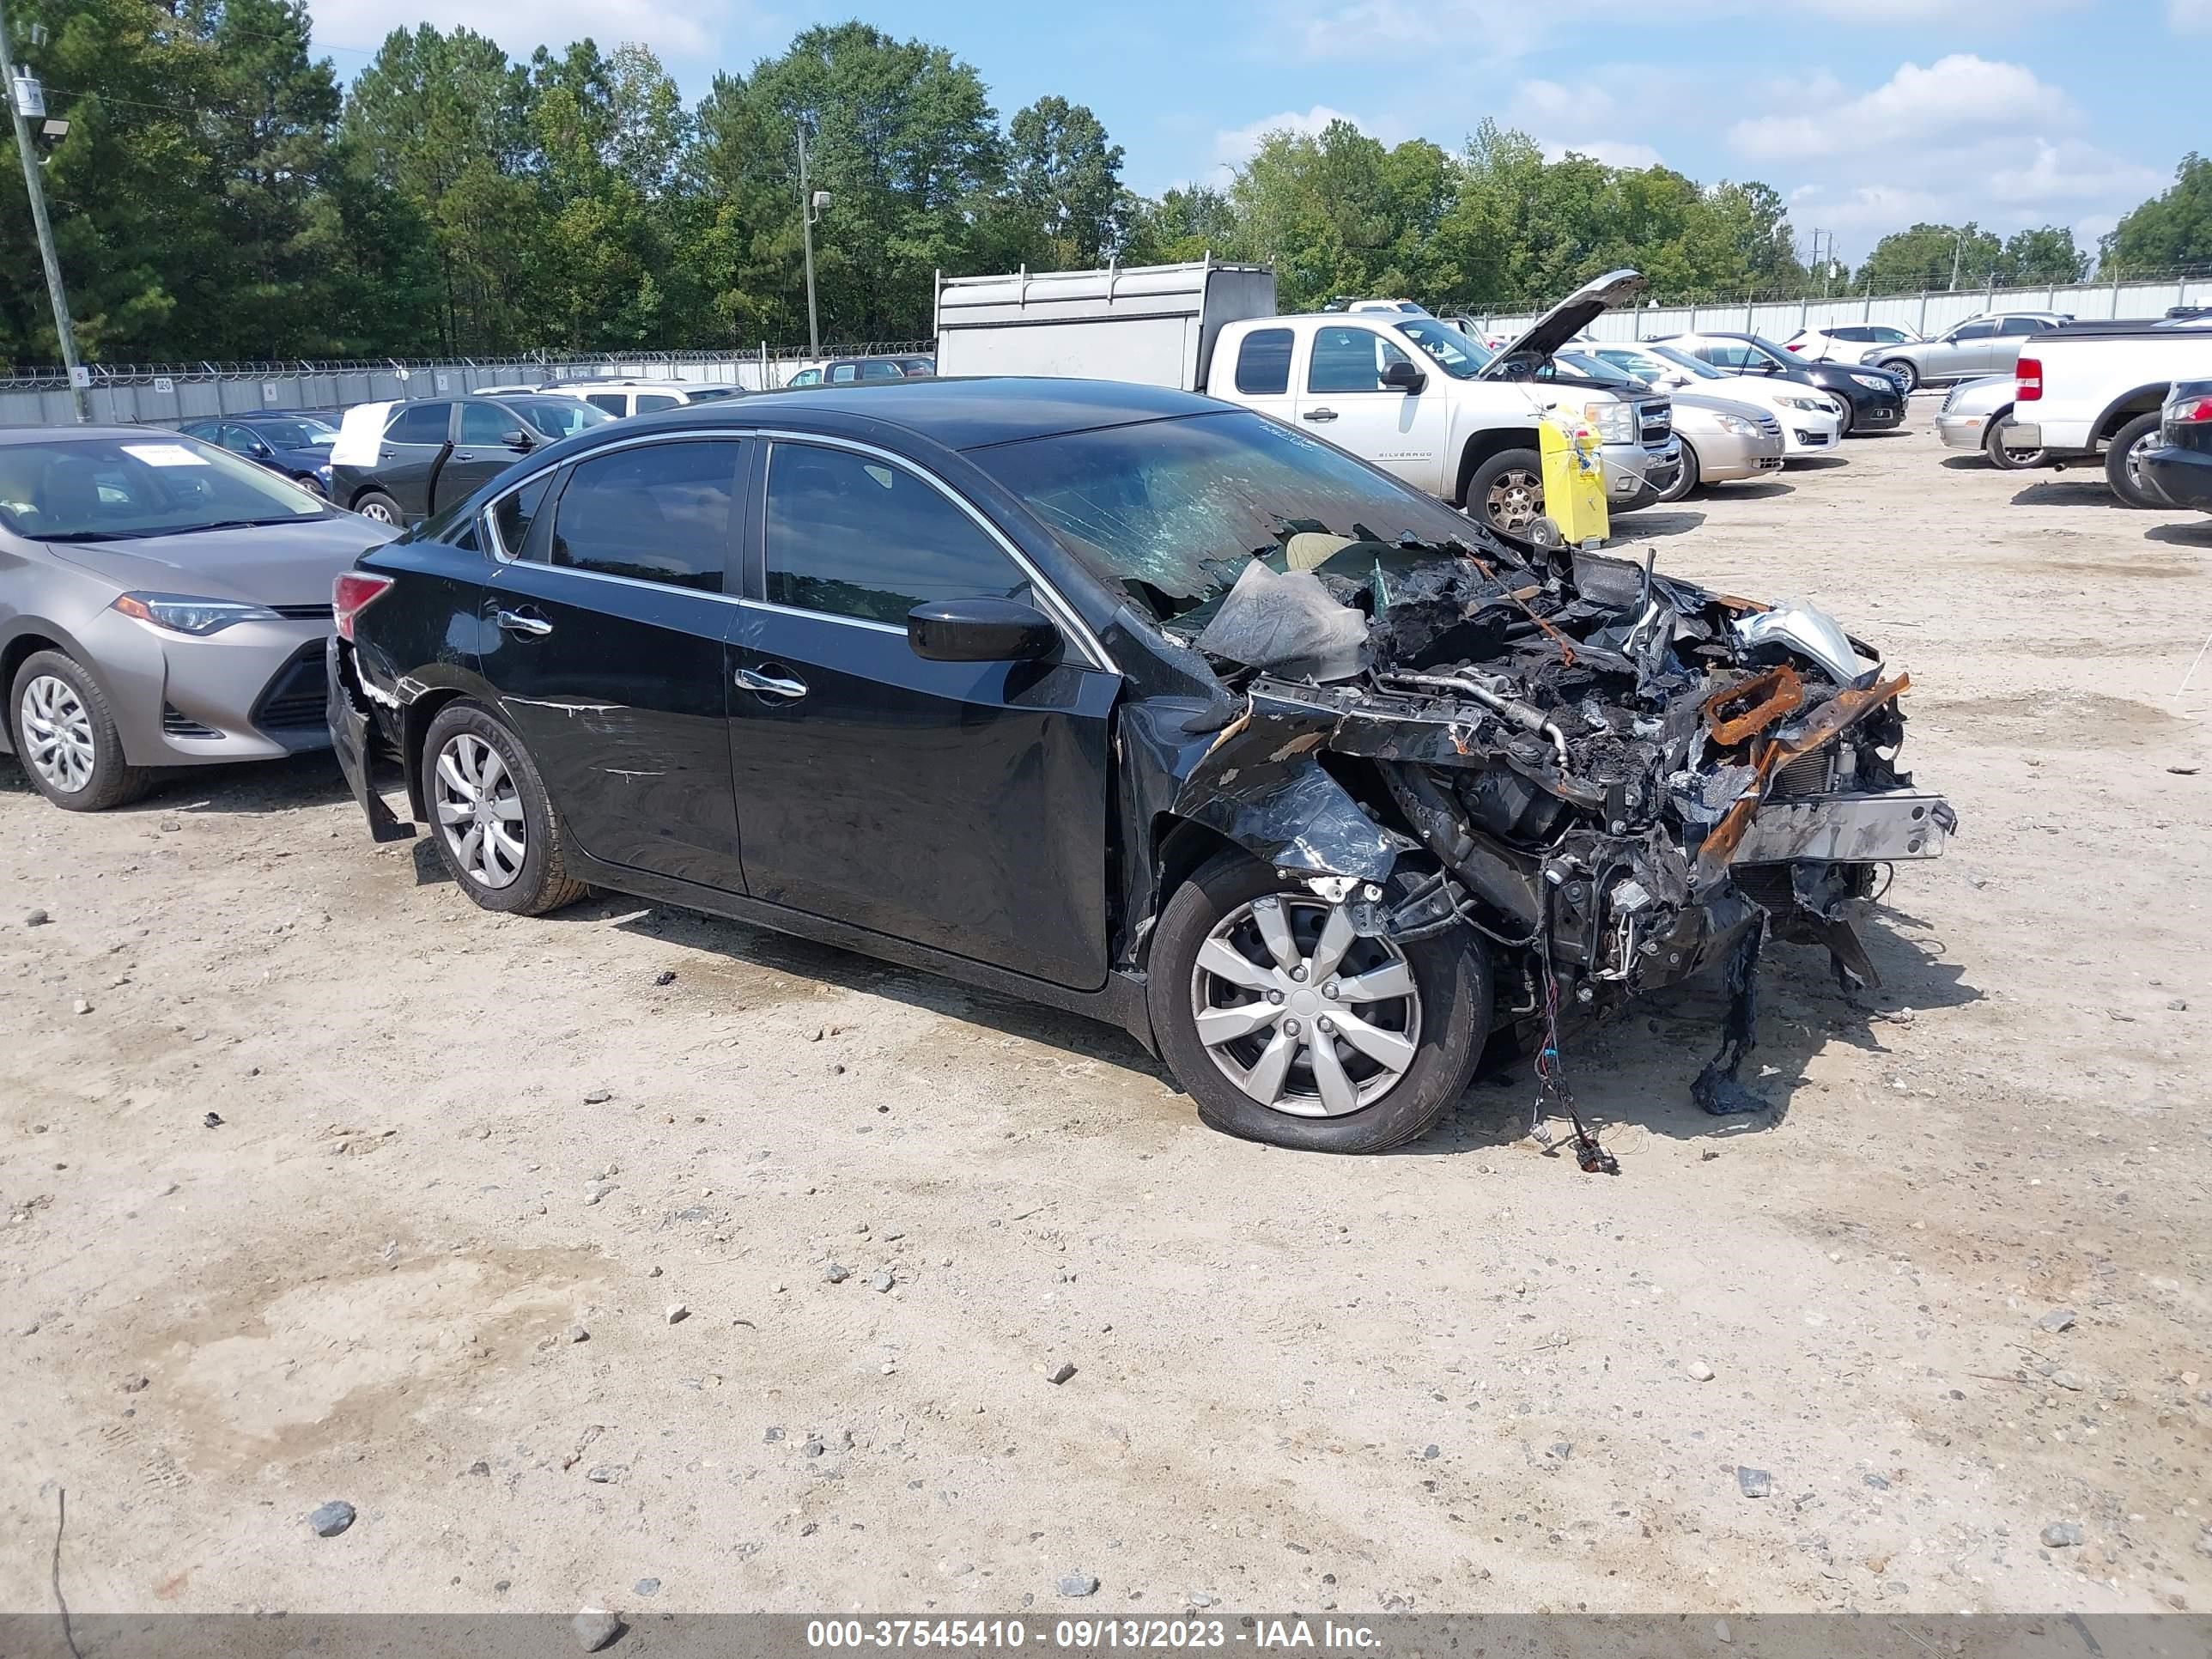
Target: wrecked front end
x,y
1617,778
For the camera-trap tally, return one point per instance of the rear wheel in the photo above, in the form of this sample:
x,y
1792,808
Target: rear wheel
x,y
1906,370
380,506
67,739
498,832
2004,456
2123,462
1287,1027
1507,491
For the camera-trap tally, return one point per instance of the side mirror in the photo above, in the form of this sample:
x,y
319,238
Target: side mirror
x,y
980,630
515,438
1402,376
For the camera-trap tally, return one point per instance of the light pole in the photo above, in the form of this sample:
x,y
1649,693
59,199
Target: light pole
x,y
26,98
811,204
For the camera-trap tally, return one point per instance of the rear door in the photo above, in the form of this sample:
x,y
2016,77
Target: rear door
x,y
957,805
605,638
1344,400
415,442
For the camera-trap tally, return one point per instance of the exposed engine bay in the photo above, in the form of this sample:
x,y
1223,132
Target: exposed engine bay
x,y
1617,777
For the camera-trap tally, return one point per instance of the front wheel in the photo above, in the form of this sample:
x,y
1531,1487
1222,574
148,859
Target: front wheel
x,y
1507,492
380,506
1906,370
498,833
2123,462
66,737
1288,1027
1687,480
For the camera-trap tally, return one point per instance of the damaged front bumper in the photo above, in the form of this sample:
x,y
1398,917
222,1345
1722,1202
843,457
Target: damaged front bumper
x,y
1617,779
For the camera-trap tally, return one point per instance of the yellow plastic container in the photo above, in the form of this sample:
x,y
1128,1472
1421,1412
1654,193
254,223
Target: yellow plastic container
x,y
1574,480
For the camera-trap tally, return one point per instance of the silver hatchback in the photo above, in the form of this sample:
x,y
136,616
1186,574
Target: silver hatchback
x,y
163,604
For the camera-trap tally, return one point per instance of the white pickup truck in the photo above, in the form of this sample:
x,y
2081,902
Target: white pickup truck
x,y
1407,392
2096,387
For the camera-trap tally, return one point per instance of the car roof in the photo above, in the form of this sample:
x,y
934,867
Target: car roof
x,y
955,413
32,434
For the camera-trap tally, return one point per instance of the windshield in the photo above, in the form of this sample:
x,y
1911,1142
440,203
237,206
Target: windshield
x,y
123,489
1697,366
557,417
1595,368
1171,509
1455,353
300,432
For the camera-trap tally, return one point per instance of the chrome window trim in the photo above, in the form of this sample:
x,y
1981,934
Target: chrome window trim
x,y
499,550
1057,608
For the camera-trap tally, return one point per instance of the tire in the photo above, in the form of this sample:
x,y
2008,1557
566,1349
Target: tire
x,y
469,757
1447,1010
1516,477
1906,370
66,737
1843,423
314,486
2004,459
375,504
1690,478
2129,485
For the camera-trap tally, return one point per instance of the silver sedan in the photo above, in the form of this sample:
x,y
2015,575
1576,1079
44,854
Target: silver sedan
x,y
1977,415
163,604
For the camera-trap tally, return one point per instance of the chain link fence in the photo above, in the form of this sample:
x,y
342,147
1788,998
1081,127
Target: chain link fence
x,y
171,393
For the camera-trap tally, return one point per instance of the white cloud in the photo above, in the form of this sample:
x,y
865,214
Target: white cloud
x,y
1959,95
689,35
1577,119
2189,16
1234,147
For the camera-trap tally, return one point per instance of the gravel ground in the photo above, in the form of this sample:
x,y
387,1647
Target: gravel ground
x,y
322,1187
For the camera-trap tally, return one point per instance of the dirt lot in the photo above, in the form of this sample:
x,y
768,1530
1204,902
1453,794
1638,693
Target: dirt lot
x,y
465,1165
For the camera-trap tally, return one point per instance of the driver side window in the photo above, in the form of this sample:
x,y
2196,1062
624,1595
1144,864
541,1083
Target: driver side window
x,y
1350,359
486,423
1975,331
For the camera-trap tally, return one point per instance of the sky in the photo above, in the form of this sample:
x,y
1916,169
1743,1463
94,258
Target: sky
x,y
1867,115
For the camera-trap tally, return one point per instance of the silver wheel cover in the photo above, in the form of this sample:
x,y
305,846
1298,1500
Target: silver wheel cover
x,y
1515,498
479,811
1300,1012
379,512
57,730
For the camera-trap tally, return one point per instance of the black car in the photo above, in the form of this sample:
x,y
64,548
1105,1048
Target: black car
x,y
1873,398
297,445
1128,702
398,463
2180,468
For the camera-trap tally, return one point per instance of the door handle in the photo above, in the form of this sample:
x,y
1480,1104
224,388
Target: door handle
x,y
1318,414
514,622
769,685
464,454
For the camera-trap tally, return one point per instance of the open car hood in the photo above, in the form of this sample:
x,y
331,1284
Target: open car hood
x,y
1524,355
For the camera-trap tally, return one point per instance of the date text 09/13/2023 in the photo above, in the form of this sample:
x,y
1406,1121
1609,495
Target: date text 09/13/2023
x,y
1089,1635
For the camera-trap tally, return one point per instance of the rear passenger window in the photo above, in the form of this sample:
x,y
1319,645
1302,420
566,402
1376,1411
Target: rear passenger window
x,y
855,537
513,514
1263,362
652,400
844,374
419,423
2023,325
657,512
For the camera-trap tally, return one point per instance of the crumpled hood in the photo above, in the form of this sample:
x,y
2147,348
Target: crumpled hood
x,y
287,564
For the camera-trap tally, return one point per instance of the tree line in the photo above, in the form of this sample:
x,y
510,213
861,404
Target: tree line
x,y
221,195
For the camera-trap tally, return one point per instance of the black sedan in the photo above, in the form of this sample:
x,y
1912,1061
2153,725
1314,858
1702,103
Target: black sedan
x,y
295,446
1128,702
2180,468
1873,398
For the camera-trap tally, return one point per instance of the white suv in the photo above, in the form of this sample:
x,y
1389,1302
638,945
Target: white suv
x,y
627,397
1846,342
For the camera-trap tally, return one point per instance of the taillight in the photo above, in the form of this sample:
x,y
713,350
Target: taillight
x,y
351,594
2027,373
2189,412
1788,347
